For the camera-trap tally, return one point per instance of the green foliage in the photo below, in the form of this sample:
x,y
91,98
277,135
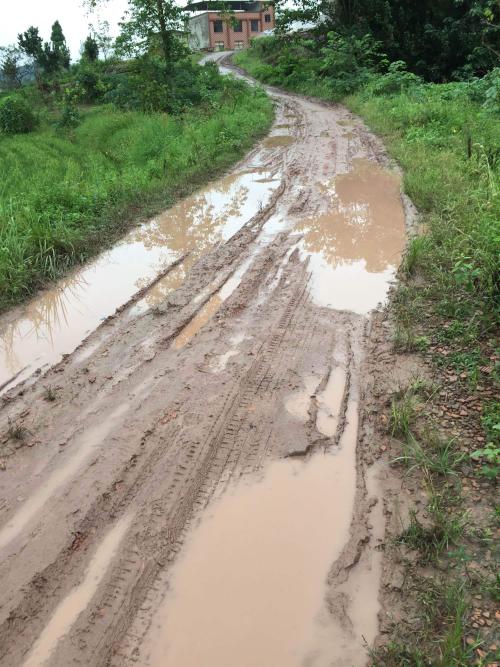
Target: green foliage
x,y
65,195
397,79
31,44
56,52
438,40
10,59
153,27
349,61
51,56
16,117
90,51
90,82
146,84
70,116
490,453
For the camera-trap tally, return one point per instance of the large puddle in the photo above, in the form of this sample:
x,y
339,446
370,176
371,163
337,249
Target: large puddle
x,y
249,587
56,321
355,248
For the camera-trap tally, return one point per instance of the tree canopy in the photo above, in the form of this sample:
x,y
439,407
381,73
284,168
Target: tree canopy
x,y
438,39
49,56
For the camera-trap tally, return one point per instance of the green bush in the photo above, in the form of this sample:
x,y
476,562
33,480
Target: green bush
x,y
396,80
146,84
16,116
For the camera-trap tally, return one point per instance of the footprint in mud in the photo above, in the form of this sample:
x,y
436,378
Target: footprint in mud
x,y
220,362
297,404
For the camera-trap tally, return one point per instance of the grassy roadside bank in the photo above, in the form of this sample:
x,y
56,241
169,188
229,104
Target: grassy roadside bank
x,y
441,430
67,194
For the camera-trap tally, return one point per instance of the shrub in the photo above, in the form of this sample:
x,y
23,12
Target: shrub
x,y
70,116
16,116
396,80
147,85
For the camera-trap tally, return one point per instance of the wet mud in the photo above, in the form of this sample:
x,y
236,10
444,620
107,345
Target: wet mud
x,y
55,322
193,489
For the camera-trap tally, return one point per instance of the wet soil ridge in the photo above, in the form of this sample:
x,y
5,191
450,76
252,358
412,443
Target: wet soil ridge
x,y
189,477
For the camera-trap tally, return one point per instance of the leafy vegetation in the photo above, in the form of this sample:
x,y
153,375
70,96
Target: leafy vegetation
x,y
67,192
16,117
438,40
121,133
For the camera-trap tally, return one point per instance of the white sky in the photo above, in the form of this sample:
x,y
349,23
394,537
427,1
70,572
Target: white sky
x,y
18,15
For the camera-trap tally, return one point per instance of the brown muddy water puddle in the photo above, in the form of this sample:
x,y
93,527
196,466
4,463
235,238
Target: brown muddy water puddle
x,y
278,140
249,586
355,247
78,599
55,322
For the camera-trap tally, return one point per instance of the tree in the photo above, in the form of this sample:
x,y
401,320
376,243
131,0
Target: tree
x,y
151,22
10,60
57,47
103,38
49,56
31,45
90,51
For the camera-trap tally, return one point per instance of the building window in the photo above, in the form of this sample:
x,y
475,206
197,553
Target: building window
x,y
238,45
220,46
254,25
238,26
267,18
218,27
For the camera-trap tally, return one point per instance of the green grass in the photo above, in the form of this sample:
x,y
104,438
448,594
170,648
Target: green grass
x,y
443,620
65,195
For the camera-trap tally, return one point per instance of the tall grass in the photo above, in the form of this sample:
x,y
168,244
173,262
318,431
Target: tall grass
x,y
64,195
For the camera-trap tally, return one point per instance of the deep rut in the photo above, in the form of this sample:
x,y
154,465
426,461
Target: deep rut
x,y
112,481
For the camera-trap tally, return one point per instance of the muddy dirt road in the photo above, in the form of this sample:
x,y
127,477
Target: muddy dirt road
x,y
188,487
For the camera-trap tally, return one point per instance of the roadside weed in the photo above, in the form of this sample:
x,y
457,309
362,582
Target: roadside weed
x,y
50,394
402,416
17,431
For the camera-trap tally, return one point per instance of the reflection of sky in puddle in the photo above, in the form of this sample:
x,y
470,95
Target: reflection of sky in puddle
x,y
56,321
347,286
354,247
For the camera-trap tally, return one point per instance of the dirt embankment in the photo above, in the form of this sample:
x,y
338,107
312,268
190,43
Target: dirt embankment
x,y
190,487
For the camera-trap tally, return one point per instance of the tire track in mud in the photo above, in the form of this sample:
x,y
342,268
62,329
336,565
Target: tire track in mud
x,y
191,433
196,471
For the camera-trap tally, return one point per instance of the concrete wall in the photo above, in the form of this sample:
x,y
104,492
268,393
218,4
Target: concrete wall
x,y
199,37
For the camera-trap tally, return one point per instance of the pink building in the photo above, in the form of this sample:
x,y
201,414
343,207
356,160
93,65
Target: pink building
x,y
212,31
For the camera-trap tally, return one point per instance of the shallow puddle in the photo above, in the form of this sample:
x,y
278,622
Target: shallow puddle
x,y
73,604
56,321
355,247
278,140
249,587
298,403
330,403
